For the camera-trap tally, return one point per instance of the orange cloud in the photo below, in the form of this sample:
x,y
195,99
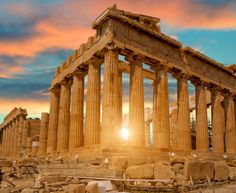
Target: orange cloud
x,y
69,27
7,71
33,107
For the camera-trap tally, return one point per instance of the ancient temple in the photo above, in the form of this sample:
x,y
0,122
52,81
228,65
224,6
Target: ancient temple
x,y
71,129
139,40
19,135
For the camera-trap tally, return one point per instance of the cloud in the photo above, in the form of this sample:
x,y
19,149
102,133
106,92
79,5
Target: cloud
x,y
33,107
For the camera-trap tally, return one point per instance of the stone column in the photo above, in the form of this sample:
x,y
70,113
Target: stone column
x,y
161,112
136,103
35,147
43,134
12,138
111,123
202,136
184,133
230,139
25,132
20,134
15,137
92,121
53,121
4,140
217,122
77,112
29,146
7,140
64,117
120,113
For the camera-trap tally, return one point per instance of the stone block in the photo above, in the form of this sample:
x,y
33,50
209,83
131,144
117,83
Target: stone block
x,y
178,168
132,161
5,163
119,162
232,173
28,190
221,171
76,188
198,170
163,171
92,188
145,171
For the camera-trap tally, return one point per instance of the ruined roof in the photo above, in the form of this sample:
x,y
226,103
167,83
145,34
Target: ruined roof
x,y
143,22
232,67
132,18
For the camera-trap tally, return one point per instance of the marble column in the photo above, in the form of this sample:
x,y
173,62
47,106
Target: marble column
x,y
77,112
184,132
15,143
43,134
111,123
7,140
161,112
92,121
4,140
217,122
53,120
29,146
230,138
136,103
64,117
202,136
20,130
120,108
12,138
25,132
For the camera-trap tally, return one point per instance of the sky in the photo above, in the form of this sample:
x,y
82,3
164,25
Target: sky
x,y
37,35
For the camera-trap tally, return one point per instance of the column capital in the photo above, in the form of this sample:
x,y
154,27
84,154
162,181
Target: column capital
x,y
66,82
55,89
133,57
78,73
215,89
181,75
161,68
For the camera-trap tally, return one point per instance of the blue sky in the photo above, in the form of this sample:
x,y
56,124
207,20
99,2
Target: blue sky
x,y
36,36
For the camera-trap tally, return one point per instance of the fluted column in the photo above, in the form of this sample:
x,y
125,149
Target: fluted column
x,y
230,138
77,111
217,122
120,102
136,103
29,146
25,133
15,153
111,123
92,121
64,117
43,134
12,138
20,133
7,140
184,133
202,136
53,120
161,112
4,140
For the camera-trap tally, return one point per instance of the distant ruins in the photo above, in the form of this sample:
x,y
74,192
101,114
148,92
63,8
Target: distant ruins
x,y
93,133
19,135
